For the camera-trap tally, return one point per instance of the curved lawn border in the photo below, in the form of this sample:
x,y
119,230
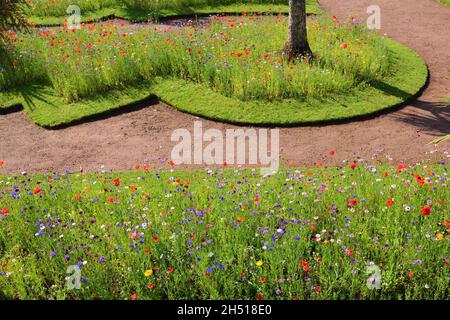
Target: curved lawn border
x,y
407,79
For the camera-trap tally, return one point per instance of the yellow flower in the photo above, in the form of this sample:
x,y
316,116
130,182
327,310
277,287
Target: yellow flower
x,y
148,273
440,236
259,263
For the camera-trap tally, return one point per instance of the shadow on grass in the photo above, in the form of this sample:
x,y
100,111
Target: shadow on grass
x,y
35,92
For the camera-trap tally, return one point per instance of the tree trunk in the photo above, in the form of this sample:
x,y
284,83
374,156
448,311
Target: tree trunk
x,y
297,44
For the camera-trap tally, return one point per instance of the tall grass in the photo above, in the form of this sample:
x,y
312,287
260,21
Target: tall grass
x,y
237,57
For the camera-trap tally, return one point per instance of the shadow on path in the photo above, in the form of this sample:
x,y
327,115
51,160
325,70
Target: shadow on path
x,y
431,117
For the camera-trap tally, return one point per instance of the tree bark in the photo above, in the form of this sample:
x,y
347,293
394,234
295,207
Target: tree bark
x,y
297,45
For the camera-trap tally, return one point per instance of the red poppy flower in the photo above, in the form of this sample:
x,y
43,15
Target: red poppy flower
x,y
389,202
5,211
262,280
225,164
306,268
171,163
260,296
345,46
400,168
420,180
447,223
2,163
111,200
116,182
352,202
134,296
426,210
200,52
304,262
37,190
353,165
410,273
133,188
239,54
171,269
331,152
155,239
150,286
317,288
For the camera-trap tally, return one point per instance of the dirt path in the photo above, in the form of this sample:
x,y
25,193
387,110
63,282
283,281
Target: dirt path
x,y
122,141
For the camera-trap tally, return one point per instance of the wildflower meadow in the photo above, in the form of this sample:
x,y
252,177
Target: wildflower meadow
x,y
316,233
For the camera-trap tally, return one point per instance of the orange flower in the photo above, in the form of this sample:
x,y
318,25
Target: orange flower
x,y
2,163
241,219
171,163
37,190
155,239
410,273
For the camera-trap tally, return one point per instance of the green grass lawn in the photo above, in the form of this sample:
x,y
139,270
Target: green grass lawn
x,y
312,233
54,12
67,76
